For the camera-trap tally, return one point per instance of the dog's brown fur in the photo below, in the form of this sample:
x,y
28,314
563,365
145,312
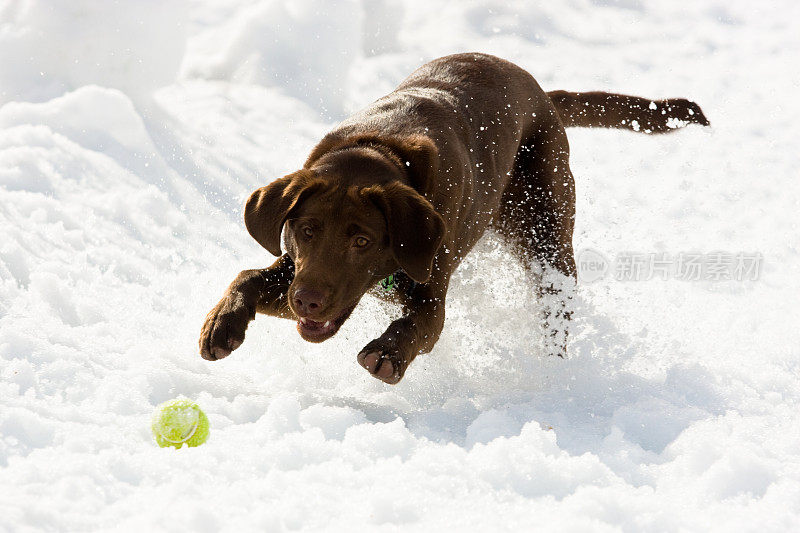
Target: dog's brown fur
x,y
407,186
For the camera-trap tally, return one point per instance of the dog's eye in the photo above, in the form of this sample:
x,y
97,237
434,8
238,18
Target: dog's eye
x,y
360,241
308,232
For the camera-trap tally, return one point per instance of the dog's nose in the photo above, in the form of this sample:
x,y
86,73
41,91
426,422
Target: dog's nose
x,y
308,301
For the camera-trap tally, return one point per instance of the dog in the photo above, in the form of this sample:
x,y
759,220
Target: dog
x,y
400,192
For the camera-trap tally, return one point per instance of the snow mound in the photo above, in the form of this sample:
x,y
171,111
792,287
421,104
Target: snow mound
x,y
307,48
47,48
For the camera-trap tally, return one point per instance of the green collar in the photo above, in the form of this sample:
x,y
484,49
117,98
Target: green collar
x,y
387,283
398,280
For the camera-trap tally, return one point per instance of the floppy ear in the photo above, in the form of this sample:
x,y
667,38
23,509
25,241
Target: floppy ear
x,y
416,230
268,207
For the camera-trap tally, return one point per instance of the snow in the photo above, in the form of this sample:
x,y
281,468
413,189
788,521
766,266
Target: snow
x,y
132,132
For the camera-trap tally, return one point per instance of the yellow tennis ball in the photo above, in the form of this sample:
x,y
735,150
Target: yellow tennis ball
x,y
179,422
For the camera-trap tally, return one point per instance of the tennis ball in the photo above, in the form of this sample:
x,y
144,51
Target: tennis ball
x,y
179,422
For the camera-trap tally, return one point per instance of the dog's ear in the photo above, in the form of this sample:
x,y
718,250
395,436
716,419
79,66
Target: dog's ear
x,y
416,230
268,207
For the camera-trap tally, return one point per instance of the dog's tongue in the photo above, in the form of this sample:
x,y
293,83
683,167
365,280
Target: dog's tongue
x,y
311,324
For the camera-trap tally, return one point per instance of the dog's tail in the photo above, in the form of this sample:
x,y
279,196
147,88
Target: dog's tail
x,y
608,110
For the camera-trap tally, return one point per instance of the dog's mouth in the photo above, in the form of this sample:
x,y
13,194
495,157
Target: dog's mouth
x,y
313,331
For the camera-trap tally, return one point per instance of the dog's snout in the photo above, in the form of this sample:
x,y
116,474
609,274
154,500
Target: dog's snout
x,y
307,302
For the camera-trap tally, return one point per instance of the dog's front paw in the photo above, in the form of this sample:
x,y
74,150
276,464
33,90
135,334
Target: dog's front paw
x,y
224,328
384,360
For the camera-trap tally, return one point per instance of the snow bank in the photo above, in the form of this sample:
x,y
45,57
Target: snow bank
x,y
47,48
121,183
307,48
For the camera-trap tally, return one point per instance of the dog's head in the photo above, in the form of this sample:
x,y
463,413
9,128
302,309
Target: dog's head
x,y
347,222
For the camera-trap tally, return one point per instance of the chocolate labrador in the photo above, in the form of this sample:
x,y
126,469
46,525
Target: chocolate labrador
x,y
398,194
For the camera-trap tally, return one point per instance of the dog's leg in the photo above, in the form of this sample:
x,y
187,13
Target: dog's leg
x,y
388,356
262,291
536,218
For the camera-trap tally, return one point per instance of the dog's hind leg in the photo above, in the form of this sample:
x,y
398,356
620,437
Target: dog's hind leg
x,y
536,219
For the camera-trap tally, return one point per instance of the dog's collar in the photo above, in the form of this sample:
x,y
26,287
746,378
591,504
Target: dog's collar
x,y
396,280
387,283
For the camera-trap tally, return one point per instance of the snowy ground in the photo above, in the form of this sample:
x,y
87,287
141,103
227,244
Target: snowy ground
x,y
130,134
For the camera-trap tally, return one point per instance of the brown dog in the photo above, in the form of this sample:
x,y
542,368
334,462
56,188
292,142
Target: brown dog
x,y
406,187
